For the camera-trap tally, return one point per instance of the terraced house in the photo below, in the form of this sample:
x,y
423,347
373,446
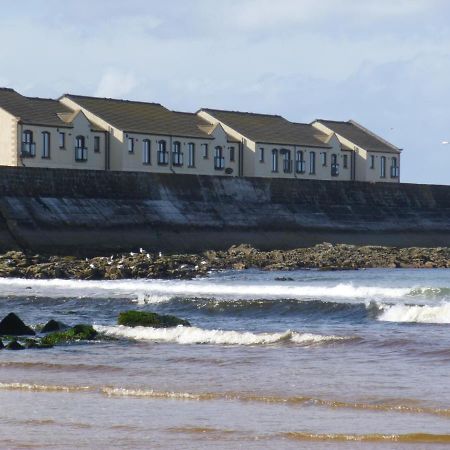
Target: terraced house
x,y
109,134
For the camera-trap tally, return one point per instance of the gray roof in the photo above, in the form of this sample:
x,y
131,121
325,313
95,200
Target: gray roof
x,y
32,110
270,129
360,136
141,117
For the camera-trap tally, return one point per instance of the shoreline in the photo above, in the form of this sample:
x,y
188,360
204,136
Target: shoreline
x,y
143,264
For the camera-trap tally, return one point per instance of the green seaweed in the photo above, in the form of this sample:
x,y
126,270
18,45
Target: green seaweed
x,y
80,332
149,319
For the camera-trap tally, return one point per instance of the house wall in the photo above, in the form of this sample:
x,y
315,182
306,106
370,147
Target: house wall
x,y
8,139
363,171
322,171
248,146
64,158
203,166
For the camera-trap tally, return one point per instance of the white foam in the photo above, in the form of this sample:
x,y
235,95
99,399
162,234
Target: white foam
x,y
195,335
157,291
416,313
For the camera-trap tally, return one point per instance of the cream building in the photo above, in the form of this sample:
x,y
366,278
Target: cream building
x,y
274,147
36,132
109,134
149,137
375,158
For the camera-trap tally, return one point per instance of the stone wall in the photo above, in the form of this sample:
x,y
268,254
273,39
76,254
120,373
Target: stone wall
x,y
67,211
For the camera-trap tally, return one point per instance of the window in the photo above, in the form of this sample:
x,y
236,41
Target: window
x,y
205,151
395,170
80,149
383,167
177,156
261,154
162,153
191,154
334,166
312,163
146,156
323,159
45,145
299,162
96,144
274,160
372,161
28,146
130,145
62,140
231,149
287,164
219,160
345,161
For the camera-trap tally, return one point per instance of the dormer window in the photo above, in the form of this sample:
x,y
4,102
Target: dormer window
x,y
62,140
45,145
130,145
177,156
28,147
162,153
80,149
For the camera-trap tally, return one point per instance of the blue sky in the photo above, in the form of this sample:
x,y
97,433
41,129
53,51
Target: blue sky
x,y
385,64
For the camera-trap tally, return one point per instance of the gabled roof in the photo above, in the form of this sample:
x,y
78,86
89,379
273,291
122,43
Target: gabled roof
x,y
270,129
33,110
360,136
142,117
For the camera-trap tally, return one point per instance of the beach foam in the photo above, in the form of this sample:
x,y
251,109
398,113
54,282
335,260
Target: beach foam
x,y
415,313
195,335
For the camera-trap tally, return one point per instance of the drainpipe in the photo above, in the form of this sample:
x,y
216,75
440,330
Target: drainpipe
x,y
241,158
107,150
171,155
19,144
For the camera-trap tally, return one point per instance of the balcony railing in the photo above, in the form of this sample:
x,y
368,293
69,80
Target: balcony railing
x,y
287,166
177,159
334,170
28,149
81,154
300,166
395,172
219,162
162,157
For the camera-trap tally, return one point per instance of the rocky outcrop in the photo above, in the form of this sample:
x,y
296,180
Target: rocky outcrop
x,y
144,264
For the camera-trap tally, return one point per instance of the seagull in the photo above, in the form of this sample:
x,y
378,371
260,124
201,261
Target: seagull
x,y
444,142
160,254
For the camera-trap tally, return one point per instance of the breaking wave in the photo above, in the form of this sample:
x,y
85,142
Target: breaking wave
x,y
195,335
415,313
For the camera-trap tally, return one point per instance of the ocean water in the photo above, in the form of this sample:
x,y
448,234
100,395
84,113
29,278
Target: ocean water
x,y
276,360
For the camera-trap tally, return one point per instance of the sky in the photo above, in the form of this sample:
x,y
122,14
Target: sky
x,y
383,63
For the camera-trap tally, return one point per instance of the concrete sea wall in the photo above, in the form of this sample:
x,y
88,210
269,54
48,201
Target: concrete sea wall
x,y
76,211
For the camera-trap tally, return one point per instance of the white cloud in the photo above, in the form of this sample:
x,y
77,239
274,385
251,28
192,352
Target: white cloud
x,y
115,83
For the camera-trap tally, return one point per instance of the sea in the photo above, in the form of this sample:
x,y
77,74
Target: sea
x,y
302,359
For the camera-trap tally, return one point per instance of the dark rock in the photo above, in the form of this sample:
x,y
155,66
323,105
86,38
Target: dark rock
x,y
284,279
149,319
54,325
2,345
12,325
14,345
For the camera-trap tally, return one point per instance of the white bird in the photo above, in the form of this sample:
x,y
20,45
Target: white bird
x,y
160,254
444,142
132,254
141,250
